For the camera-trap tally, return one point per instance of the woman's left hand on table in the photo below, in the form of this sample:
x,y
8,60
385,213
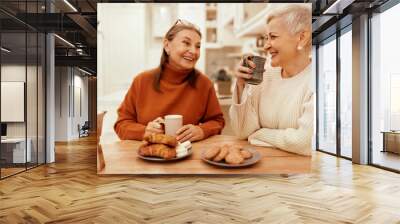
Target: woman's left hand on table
x,y
190,132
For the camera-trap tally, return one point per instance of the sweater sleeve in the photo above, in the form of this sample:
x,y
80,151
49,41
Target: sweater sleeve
x,y
127,127
244,112
295,140
213,121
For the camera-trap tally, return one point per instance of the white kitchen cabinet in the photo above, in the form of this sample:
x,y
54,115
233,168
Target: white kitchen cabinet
x,y
235,20
219,25
254,19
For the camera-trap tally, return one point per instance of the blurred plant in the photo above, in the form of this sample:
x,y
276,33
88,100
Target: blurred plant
x,y
222,75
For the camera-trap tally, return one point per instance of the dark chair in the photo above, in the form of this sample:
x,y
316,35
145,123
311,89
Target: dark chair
x,y
84,130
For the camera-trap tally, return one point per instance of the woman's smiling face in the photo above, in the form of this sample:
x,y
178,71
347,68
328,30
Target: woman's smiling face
x,y
184,50
279,42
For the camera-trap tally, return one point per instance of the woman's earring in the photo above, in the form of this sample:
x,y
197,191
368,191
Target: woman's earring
x,y
299,48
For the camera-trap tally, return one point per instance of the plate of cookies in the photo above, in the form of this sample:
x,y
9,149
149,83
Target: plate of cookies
x,y
163,148
230,156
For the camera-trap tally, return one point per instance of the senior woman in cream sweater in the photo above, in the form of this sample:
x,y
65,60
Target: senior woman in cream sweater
x,y
279,112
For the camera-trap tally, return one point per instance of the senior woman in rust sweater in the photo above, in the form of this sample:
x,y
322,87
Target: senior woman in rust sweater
x,y
175,87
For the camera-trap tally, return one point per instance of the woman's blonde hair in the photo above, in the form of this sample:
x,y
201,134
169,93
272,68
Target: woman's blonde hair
x,y
296,16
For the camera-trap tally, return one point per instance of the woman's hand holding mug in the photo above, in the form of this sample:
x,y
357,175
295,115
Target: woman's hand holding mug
x,y
155,126
242,73
250,69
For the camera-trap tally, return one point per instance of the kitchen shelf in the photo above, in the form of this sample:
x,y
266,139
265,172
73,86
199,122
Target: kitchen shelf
x,y
227,12
211,6
211,13
228,21
234,55
213,46
255,25
211,35
211,23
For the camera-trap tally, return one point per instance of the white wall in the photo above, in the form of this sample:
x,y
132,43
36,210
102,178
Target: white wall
x,y
33,127
67,116
157,15
79,117
12,73
61,103
121,48
122,53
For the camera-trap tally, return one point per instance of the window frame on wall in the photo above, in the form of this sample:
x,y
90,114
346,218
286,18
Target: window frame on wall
x,y
40,51
24,57
334,37
379,10
342,32
324,41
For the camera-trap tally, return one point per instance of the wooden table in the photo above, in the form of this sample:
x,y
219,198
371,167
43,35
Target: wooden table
x,y
121,158
391,141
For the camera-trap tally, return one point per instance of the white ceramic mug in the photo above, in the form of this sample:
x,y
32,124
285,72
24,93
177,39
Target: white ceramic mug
x,y
172,124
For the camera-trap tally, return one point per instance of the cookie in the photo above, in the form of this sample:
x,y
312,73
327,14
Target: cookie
x,y
234,158
222,154
211,153
246,154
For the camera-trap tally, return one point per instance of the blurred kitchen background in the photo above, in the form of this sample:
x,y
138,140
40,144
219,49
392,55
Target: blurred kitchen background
x,y
229,30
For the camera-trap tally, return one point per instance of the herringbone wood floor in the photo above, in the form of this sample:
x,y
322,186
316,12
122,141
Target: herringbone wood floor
x,y
69,191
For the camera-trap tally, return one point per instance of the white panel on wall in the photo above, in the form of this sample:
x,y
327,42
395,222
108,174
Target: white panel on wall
x,y
77,101
13,73
61,103
121,50
12,101
123,34
71,103
76,119
161,18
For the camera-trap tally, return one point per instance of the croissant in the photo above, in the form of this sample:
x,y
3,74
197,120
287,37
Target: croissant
x,y
157,150
161,139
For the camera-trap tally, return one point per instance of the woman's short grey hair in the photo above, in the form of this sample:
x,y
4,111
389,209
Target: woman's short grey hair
x,y
296,16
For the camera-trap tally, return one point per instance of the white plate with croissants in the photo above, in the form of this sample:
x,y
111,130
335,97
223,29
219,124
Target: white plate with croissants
x,y
163,148
230,156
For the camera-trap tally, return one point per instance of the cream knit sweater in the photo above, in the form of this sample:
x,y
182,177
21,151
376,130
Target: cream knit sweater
x,y
278,112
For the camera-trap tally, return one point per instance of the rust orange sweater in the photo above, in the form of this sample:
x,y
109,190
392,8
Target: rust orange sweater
x,y
142,103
